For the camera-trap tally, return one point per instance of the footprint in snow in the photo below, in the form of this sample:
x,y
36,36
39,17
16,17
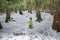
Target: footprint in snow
x,y
17,34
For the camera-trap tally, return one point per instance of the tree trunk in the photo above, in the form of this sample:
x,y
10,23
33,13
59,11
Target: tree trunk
x,y
29,11
56,22
1,26
52,11
15,11
38,15
29,6
20,12
7,15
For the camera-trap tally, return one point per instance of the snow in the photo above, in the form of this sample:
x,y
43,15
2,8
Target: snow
x,y
18,27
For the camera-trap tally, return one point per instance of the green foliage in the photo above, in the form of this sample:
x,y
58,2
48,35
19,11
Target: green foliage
x,y
38,2
22,4
11,4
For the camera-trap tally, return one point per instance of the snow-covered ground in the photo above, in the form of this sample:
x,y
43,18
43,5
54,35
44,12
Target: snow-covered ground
x,y
18,27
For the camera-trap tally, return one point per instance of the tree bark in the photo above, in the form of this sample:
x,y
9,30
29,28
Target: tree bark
x,y
29,6
56,22
7,15
20,11
38,15
15,11
29,11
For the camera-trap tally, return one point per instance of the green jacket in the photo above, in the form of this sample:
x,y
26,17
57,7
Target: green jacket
x,y
30,22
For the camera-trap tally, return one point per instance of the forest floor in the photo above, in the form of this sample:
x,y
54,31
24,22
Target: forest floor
x,y
18,27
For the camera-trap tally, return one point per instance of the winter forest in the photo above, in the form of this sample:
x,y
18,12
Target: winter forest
x,y
29,19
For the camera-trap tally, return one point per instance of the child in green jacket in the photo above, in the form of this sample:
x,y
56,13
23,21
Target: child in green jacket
x,y
30,23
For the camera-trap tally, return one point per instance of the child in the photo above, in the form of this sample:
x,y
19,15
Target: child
x,y
30,23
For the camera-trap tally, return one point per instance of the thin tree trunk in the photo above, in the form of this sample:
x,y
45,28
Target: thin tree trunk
x,y
38,15
7,15
29,7
29,11
20,11
15,11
